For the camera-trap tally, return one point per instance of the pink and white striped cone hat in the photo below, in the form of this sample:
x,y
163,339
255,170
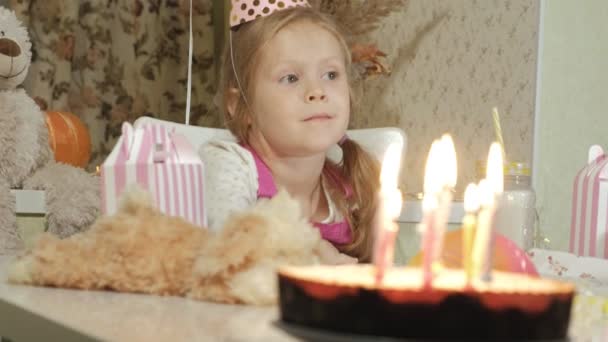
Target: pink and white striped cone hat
x,y
247,10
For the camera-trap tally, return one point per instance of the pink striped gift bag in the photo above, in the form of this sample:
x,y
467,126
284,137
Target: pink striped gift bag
x,y
162,162
589,221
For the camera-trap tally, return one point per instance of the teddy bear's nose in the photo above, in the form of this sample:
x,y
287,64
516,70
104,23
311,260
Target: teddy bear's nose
x,y
9,48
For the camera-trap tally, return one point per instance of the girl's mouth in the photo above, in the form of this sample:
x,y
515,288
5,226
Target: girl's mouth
x,y
318,117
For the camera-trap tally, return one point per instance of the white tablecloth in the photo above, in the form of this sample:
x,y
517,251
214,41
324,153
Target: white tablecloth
x,y
590,311
33,313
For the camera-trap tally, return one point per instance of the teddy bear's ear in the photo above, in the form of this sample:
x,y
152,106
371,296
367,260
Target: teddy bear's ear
x,y
134,200
5,12
13,27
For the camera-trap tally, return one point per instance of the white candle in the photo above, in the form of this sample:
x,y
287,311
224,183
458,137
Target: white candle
x,y
489,189
389,209
449,174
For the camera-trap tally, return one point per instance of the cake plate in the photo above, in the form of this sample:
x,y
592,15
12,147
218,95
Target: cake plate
x,y
319,335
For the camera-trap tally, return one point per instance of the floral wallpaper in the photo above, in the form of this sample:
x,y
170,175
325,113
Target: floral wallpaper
x,y
113,61
452,62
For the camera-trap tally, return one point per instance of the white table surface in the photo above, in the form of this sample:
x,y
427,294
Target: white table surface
x,y
35,314
48,314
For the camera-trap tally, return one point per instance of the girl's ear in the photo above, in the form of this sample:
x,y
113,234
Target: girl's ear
x,y
232,100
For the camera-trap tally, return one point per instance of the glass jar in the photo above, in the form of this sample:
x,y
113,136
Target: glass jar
x,y
516,211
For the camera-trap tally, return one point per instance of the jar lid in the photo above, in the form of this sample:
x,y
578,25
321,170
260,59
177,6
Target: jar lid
x,y
517,169
510,169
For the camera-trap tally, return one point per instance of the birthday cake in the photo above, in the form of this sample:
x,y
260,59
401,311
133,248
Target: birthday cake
x,y
345,299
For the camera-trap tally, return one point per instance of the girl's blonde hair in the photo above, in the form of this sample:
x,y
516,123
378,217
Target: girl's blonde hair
x,y
358,168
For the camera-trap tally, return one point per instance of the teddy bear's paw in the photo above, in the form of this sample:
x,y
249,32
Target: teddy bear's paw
x,y
21,270
289,233
72,208
256,285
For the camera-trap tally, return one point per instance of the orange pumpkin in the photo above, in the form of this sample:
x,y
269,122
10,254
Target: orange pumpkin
x,y
507,255
69,138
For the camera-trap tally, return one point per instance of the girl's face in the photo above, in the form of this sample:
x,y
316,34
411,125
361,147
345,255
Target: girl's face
x,y
300,100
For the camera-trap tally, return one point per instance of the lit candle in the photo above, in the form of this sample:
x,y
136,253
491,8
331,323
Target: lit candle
x,y
429,239
495,170
432,186
389,208
471,206
489,190
449,174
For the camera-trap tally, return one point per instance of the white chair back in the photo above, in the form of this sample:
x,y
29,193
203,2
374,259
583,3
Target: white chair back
x,y
196,135
374,140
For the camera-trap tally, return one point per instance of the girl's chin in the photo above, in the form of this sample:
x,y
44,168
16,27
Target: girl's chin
x,y
307,149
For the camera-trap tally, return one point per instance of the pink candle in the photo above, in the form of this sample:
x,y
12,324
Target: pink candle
x,y
432,187
389,208
429,239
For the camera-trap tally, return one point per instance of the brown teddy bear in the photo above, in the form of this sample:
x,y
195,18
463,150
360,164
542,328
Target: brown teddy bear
x,y
139,249
26,160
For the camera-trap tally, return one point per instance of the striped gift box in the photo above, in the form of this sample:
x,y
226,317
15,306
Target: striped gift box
x,y
589,221
162,162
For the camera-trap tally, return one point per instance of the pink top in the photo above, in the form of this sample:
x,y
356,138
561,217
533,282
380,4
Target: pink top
x,y
338,233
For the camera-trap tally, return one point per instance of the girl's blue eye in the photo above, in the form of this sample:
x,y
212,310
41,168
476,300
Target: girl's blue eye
x,y
291,78
332,75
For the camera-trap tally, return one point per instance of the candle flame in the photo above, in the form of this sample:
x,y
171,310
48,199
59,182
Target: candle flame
x,y
484,193
429,203
495,171
395,202
471,198
451,165
389,177
432,171
440,170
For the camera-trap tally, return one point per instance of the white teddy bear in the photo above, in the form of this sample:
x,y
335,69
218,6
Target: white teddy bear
x,y
26,160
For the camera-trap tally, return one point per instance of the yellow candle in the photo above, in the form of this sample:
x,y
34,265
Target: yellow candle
x,y
471,206
483,230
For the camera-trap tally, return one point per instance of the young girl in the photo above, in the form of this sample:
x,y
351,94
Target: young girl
x,y
286,99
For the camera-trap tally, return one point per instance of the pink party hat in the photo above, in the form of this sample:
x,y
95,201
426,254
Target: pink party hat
x,y
247,10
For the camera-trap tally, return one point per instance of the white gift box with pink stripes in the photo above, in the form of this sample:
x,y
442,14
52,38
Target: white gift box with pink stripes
x,y
589,221
160,161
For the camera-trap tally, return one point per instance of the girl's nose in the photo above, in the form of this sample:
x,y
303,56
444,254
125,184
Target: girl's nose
x,y
316,94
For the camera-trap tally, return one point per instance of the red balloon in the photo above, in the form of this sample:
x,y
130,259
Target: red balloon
x,y
507,255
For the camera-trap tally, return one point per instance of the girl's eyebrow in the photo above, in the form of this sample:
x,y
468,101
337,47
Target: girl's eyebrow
x,y
294,61
287,64
331,59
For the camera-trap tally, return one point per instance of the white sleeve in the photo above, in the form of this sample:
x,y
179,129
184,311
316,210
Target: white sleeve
x,y
231,180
